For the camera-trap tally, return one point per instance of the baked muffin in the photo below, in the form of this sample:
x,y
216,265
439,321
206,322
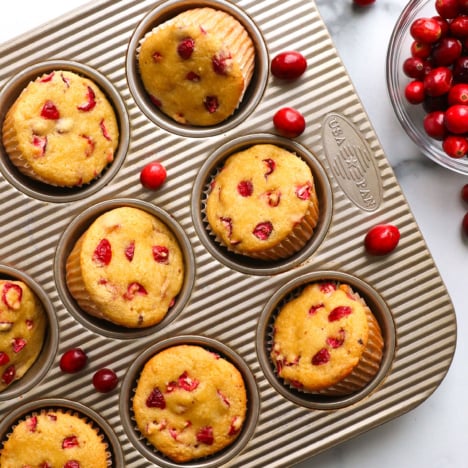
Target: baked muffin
x,y
126,268
263,203
197,66
327,340
189,402
61,130
54,438
22,330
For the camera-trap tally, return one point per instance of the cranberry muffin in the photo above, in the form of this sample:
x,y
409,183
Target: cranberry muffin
x,y
326,340
189,402
196,66
23,324
263,203
54,438
61,130
126,268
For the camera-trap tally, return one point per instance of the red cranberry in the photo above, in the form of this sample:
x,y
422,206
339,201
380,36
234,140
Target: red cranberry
x,y
289,122
459,26
415,67
103,253
448,9
460,69
438,81
105,380
446,51
288,65
456,146
414,92
153,175
426,30
73,360
434,125
420,50
382,239
363,2
456,118
464,193
465,224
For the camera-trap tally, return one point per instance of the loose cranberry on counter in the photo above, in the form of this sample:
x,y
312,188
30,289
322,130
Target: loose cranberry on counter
x,y
288,65
289,122
382,239
465,224
363,2
153,175
73,360
464,193
105,380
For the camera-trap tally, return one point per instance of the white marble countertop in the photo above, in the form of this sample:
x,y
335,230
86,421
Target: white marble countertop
x,y
433,435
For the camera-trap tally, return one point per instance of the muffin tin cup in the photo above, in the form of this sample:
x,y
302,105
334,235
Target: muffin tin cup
x,y
240,262
72,234
128,389
253,94
54,404
51,193
42,364
318,400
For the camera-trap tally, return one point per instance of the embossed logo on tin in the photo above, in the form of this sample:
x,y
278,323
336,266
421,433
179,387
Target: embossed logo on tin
x,y
352,162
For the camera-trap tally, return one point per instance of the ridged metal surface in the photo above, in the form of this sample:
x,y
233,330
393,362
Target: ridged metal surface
x,y
225,304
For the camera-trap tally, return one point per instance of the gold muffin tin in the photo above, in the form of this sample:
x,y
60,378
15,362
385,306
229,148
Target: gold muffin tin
x,y
227,302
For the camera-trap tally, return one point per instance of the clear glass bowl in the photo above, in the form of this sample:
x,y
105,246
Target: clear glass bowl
x,y
411,116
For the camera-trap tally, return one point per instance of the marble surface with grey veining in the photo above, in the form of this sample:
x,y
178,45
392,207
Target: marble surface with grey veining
x,y
435,434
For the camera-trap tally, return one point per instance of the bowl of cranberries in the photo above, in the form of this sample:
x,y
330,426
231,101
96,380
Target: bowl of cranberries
x,y
427,78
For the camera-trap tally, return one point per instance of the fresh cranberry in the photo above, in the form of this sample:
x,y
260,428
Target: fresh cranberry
x,y
448,9
414,92
456,118
455,146
105,380
434,125
415,67
438,81
73,360
464,193
289,122
420,50
426,30
288,65
446,51
363,2
382,239
458,94
465,224
153,175
444,25
463,6
460,70
459,26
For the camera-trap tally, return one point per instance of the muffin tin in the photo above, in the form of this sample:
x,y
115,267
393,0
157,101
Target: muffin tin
x,y
227,301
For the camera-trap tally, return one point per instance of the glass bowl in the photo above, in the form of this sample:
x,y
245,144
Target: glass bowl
x,y
411,116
